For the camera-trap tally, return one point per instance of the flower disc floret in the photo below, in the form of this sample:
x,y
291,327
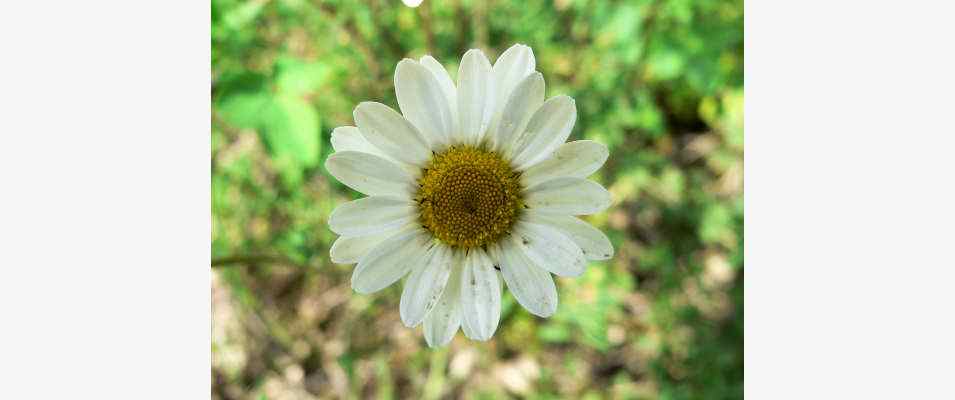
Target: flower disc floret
x,y
468,196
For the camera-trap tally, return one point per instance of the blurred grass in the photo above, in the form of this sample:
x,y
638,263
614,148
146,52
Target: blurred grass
x,y
659,82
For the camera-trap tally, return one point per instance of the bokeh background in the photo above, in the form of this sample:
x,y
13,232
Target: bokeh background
x,y
659,82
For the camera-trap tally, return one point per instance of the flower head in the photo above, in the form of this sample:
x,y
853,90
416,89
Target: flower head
x,y
469,184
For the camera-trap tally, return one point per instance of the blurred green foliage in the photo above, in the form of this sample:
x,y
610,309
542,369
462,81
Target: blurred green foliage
x,y
659,82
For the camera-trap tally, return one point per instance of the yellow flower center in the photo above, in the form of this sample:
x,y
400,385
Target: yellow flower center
x,y
468,197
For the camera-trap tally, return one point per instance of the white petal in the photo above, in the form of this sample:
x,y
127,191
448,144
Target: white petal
x,y
549,249
371,215
443,321
467,329
390,260
370,174
423,102
349,249
576,159
392,133
480,296
497,260
441,74
549,128
532,287
571,196
447,86
593,242
474,96
526,98
425,285
349,138
515,64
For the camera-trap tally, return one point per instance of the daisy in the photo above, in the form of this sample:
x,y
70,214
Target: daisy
x,y
467,185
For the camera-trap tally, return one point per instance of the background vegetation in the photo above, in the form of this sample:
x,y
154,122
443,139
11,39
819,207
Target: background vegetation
x,y
660,82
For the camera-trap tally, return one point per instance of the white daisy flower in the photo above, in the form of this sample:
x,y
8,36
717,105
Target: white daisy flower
x,y
470,183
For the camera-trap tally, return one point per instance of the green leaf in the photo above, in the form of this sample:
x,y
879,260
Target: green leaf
x,y
297,77
554,333
243,15
716,224
290,129
289,126
666,64
245,110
